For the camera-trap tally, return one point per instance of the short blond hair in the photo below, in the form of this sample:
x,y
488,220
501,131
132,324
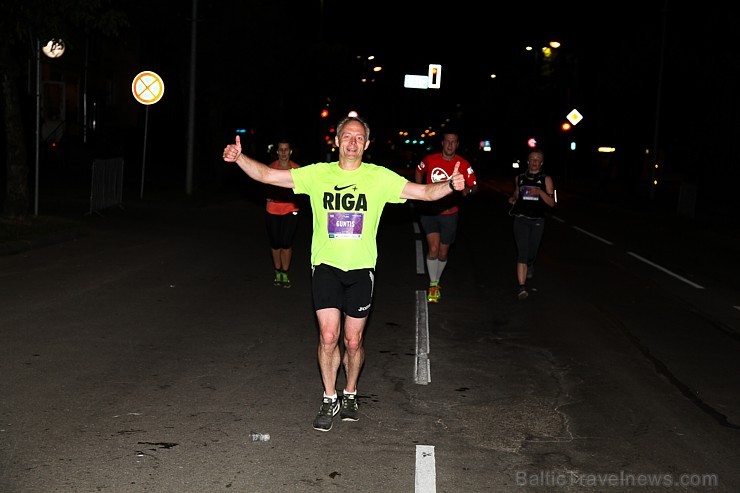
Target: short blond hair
x,y
346,120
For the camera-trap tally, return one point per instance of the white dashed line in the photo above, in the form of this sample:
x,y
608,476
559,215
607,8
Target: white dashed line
x,y
592,235
419,257
697,286
425,480
422,370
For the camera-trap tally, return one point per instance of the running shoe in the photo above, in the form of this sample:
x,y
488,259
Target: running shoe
x,y
522,293
329,409
278,278
286,281
434,293
349,408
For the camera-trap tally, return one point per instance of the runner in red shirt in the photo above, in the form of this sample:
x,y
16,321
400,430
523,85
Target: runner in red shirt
x,y
439,219
282,218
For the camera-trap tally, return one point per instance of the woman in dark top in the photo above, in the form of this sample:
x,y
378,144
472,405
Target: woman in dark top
x,y
534,192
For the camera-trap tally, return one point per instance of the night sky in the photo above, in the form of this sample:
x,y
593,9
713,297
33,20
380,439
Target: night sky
x,y
271,66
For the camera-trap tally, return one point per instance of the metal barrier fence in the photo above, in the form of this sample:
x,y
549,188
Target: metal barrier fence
x,y
106,187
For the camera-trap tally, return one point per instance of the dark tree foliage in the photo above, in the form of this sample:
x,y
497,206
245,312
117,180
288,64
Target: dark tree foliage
x,y
22,22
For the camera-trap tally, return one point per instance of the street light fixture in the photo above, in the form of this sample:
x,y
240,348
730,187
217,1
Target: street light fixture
x,y
54,48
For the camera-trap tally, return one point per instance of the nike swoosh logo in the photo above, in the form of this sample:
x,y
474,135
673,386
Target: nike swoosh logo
x,y
342,188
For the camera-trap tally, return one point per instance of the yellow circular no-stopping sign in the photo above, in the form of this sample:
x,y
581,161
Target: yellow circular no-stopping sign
x,y
147,87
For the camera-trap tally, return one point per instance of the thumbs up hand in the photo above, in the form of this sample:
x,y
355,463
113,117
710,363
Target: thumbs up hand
x,y
232,151
457,180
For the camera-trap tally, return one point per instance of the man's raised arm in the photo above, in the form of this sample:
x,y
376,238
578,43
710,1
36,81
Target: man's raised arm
x,y
256,170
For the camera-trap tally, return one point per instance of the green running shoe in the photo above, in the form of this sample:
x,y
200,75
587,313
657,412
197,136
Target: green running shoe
x,y
434,293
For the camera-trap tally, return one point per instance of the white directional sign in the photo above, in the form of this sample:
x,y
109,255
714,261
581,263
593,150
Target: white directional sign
x,y
435,76
416,81
433,79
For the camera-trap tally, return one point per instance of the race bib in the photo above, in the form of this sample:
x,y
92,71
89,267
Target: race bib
x,y
529,193
347,225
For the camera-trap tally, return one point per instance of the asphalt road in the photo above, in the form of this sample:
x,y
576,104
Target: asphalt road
x,y
138,358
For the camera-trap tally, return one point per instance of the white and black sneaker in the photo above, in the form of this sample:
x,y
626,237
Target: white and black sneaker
x,y
349,411
329,409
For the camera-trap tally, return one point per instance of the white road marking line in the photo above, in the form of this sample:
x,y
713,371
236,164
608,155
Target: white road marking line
x,y
425,480
422,371
558,219
419,257
663,269
592,235
693,284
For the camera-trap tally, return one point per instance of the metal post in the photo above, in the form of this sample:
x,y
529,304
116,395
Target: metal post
x,y
38,126
143,158
84,93
191,104
654,162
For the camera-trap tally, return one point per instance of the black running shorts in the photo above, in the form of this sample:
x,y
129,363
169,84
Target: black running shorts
x,y
349,291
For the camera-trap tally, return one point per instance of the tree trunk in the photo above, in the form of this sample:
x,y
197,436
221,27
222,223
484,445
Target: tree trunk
x,y
17,203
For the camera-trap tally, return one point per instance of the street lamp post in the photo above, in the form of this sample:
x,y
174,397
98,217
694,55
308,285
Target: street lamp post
x,y
655,161
53,49
38,127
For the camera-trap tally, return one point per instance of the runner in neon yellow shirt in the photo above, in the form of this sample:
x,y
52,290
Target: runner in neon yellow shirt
x,y
348,206
347,199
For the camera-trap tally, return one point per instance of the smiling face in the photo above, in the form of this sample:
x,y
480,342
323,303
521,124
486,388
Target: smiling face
x,y
352,142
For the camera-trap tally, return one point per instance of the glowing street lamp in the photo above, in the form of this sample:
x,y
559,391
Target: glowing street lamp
x,y
54,48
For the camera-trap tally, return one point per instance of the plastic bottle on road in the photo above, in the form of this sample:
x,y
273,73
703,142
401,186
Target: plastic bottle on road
x,y
259,437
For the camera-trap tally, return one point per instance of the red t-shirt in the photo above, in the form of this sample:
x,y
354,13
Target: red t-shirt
x,y
436,168
281,201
